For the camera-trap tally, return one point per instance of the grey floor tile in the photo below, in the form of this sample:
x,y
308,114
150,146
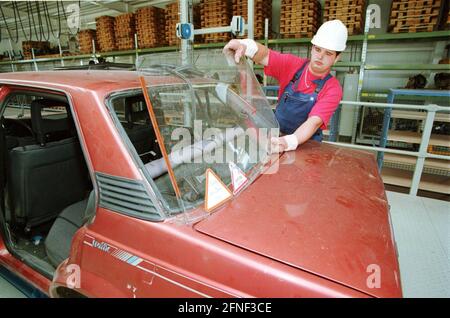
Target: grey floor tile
x,y
9,291
439,213
420,230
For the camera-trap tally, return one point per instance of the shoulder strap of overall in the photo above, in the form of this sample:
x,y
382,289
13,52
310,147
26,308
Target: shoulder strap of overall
x,y
299,72
321,83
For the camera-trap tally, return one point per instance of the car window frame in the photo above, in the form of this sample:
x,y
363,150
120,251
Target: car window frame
x,y
156,196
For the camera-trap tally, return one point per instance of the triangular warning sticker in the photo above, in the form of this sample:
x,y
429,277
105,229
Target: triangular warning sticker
x,y
238,178
216,191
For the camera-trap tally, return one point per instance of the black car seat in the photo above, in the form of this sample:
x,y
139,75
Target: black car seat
x,y
47,176
140,131
51,128
59,239
13,140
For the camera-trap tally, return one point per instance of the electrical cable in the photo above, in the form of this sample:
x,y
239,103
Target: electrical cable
x,y
30,19
4,21
17,27
63,10
49,20
7,26
16,8
59,19
41,25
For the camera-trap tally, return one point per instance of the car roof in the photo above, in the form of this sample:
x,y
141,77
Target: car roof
x,y
99,82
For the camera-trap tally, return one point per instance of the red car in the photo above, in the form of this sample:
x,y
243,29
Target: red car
x,y
100,199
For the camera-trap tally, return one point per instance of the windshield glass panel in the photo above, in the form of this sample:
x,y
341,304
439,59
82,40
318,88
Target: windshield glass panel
x,y
211,114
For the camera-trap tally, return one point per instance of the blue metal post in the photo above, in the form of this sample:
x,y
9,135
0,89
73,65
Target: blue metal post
x,y
385,129
334,124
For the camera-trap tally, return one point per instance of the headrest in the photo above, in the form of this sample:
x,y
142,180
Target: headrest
x,y
42,126
141,115
131,115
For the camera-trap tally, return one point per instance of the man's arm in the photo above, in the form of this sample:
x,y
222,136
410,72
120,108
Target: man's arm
x,y
300,136
260,55
308,129
321,113
255,51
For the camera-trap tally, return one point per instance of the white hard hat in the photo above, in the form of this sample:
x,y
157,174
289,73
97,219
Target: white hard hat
x,y
332,35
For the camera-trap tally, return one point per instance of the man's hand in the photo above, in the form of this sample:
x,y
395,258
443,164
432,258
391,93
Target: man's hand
x,y
285,143
277,145
236,48
253,50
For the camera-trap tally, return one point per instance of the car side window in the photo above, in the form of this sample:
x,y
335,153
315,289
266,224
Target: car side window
x,y
54,112
49,120
18,106
16,120
135,120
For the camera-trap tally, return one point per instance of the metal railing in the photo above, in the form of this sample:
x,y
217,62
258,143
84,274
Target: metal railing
x,y
421,155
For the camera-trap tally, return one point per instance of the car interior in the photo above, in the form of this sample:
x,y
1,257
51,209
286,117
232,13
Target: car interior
x,y
46,190
135,119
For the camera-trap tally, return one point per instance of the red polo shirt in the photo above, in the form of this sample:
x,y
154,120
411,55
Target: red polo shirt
x,y
283,68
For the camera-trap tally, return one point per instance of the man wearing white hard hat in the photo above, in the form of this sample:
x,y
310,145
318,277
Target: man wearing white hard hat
x,y
308,94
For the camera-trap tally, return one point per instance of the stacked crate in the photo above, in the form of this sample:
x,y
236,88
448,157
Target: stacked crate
x,y
262,9
446,23
124,28
150,26
172,18
350,12
216,13
198,22
85,38
439,150
414,15
40,48
299,18
105,33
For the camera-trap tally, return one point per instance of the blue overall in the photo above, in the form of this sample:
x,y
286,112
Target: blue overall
x,y
294,107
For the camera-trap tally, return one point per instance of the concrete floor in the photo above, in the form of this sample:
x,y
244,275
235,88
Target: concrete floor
x,y
9,291
422,232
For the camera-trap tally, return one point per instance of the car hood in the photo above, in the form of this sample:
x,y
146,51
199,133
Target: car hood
x,y
324,211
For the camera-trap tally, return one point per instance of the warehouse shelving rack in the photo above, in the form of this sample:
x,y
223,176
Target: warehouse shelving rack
x,y
397,165
355,38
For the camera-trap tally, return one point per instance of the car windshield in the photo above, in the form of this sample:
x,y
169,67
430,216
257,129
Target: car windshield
x,y
214,123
